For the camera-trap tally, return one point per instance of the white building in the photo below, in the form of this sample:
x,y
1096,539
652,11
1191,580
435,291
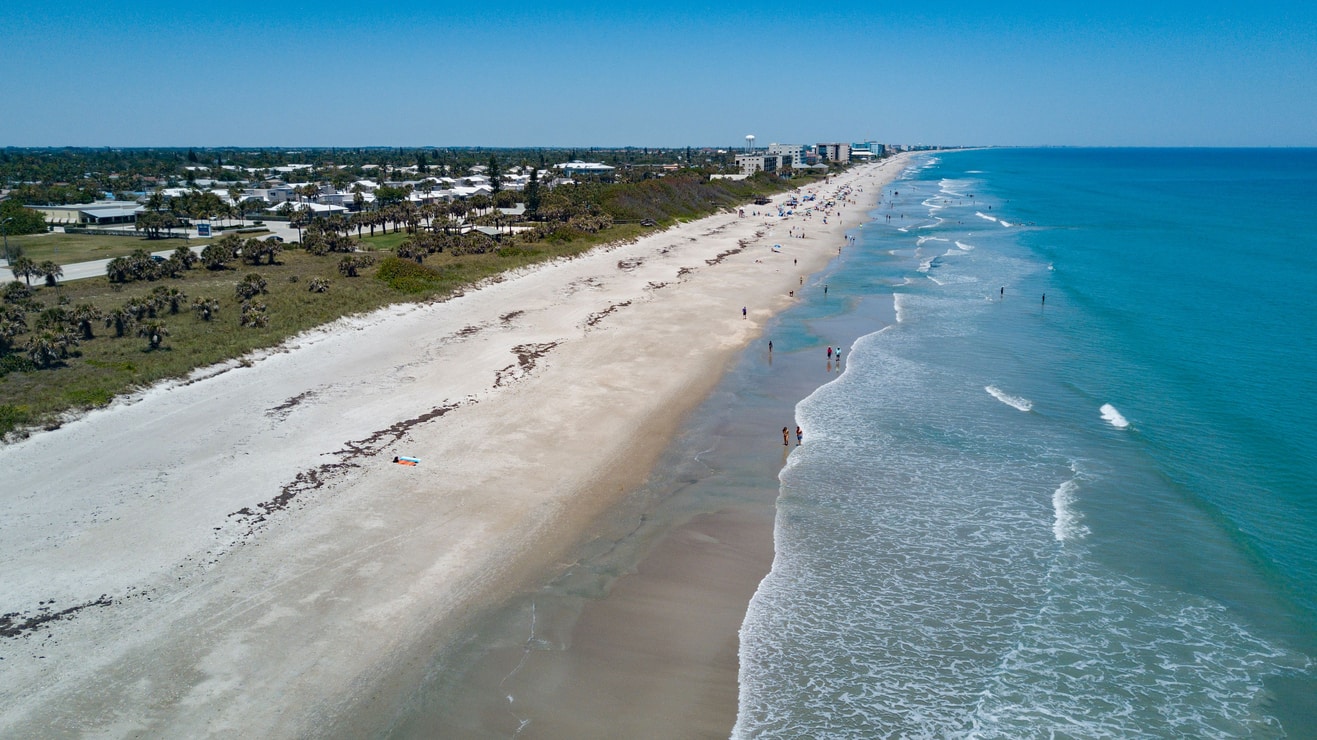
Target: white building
x,y
577,167
835,152
760,162
100,213
792,155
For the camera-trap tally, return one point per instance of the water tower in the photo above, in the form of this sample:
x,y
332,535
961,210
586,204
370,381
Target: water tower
x,y
749,142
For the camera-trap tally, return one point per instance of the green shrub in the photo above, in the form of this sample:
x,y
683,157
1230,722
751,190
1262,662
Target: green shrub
x,y
11,417
15,364
408,277
84,397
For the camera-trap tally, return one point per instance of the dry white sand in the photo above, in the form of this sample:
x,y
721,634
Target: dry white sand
x,y
238,554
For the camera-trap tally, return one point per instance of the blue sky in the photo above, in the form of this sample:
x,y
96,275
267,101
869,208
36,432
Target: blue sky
x,y
407,73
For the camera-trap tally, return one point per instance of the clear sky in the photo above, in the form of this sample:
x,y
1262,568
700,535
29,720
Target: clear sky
x,y
677,73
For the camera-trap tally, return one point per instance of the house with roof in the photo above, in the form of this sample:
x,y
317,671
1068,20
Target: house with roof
x,y
100,213
577,167
317,209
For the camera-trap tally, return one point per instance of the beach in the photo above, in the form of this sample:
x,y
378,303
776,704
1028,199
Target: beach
x,y
238,552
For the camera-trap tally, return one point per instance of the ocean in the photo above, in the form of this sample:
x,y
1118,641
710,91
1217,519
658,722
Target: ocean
x,y
1068,490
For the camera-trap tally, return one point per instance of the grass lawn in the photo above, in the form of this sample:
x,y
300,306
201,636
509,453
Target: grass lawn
x,y
66,249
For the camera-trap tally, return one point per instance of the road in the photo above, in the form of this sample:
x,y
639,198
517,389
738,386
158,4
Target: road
x,y
96,268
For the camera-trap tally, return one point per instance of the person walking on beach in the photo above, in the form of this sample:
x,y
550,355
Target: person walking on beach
x,y
742,311
829,352
770,345
786,438
800,436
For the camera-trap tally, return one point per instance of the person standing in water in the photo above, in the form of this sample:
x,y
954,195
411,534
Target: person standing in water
x,y
786,438
800,436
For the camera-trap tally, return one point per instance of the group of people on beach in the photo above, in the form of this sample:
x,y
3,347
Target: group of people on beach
x,y
824,209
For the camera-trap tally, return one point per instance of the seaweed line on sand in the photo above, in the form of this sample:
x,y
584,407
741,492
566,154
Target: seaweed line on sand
x,y
282,410
315,478
528,355
724,255
15,624
593,319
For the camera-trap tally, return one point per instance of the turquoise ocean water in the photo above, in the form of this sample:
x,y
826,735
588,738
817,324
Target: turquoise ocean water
x,y
1089,516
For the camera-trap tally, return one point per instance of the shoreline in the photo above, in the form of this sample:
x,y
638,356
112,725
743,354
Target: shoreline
x,y
252,539
643,627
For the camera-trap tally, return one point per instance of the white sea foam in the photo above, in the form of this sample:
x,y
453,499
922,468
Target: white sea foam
x,y
1113,417
926,265
964,246
898,304
1016,402
923,239
980,214
932,225
1066,521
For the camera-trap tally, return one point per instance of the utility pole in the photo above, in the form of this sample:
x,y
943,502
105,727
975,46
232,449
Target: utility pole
x,y
5,232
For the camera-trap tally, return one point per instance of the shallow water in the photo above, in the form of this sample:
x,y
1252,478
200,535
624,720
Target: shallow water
x,y
1069,490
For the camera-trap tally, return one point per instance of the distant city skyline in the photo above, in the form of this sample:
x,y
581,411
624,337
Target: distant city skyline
x,y
518,74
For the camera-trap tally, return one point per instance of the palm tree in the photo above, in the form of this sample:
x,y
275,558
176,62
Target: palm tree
x,y
119,270
172,296
185,256
350,263
250,286
205,308
300,218
51,271
479,202
411,249
271,248
154,332
122,319
55,317
215,256
25,268
253,315
82,317
49,346
235,194
13,321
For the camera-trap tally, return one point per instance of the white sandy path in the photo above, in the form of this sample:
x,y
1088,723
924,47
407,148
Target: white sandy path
x,y
222,624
